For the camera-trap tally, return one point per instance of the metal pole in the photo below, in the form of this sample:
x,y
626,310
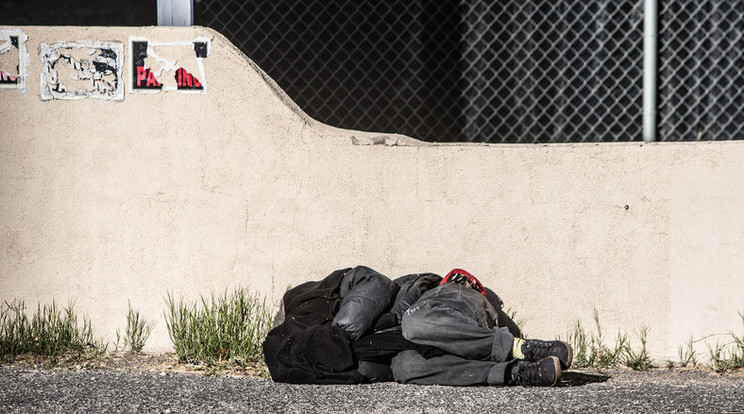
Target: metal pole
x,y
175,12
650,67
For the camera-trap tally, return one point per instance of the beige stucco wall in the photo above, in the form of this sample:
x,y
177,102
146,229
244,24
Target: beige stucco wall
x,y
105,202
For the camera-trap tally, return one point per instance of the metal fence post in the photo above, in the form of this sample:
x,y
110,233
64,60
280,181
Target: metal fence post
x,y
175,12
650,68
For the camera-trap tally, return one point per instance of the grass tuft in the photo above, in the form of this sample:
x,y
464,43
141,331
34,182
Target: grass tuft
x,y
590,349
215,330
50,332
720,361
729,356
580,344
686,354
738,352
137,332
639,360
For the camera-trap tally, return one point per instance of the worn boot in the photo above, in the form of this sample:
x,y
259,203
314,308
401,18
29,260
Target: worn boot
x,y
534,350
543,373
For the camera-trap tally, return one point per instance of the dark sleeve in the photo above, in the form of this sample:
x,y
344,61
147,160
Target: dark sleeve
x,y
366,295
411,289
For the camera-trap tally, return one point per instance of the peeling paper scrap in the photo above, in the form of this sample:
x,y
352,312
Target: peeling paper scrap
x,y
82,69
168,66
14,59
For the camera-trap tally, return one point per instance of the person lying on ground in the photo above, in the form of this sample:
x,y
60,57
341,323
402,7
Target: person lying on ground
x,y
356,325
457,318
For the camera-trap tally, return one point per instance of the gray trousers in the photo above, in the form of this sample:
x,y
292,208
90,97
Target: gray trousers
x,y
461,322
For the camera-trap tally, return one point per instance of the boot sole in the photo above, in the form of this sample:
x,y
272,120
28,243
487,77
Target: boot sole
x,y
569,360
557,366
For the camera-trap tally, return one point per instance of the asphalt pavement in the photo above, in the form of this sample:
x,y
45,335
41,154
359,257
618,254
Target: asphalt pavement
x,y
29,390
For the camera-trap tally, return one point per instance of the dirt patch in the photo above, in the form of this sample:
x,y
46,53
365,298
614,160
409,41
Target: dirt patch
x,y
164,363
169,363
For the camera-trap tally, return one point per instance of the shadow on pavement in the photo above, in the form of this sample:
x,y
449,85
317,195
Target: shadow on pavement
x,y
575,379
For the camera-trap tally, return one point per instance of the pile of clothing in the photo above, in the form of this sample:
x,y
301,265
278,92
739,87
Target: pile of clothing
x,y
344,328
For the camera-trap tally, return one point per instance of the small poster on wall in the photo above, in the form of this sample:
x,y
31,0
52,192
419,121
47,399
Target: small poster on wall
x,y
13,59
85,69
168,66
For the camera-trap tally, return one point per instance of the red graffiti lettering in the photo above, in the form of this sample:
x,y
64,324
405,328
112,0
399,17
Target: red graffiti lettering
x,y
146,79
5,76
151,79
186,80
141,75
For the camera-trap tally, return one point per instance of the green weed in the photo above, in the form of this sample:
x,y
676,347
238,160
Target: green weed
x,y
218,329
729,356
721,359
49,333
590,349
687,354
137,331
738,353
639,360
580,344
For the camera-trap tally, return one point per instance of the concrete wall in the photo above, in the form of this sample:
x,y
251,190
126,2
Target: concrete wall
x,y
105,202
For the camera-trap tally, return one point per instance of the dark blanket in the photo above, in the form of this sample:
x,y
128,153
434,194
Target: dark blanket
x,y
305,348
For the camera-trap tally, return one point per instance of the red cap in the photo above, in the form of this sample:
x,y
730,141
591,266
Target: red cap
x,y
462,277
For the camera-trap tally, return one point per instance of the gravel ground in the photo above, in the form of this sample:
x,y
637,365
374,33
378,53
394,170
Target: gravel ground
x,y
160,388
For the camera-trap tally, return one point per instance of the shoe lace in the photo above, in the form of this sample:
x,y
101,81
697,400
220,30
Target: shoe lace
x,y
538,349
527,375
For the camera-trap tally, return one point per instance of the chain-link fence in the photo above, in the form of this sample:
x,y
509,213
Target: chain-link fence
x,y
554,71
701,64
496,71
